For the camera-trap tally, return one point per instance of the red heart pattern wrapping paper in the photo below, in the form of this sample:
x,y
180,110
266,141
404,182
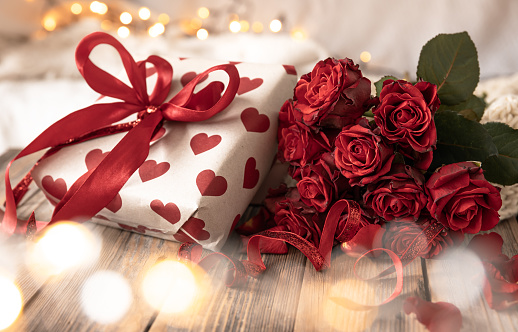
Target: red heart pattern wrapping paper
x,y
199,177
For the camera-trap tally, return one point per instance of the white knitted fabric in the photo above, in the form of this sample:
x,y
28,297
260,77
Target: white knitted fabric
x,y
505,109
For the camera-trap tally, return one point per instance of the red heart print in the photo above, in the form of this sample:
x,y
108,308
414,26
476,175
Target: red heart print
x,y
169,212
181,59
234,223
150,170
290,70
56,188
94,158
115,205
202,142
246,84
194,227
255,122
211,185
139,229
251,174
158,134
187,77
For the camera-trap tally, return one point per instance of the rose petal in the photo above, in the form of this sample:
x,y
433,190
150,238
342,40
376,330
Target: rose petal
x,y
437,317
486,246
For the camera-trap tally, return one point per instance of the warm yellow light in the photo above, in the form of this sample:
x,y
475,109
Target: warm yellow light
x,y
275,25
257,27
298,34
365,56
156,30
163,18
144,13
233,17
123,32
202,34
63,246
203,12
76,8
195,24
49,23
126,18
244,26
106,25
106,297
98,7
234,26
170,287
10,302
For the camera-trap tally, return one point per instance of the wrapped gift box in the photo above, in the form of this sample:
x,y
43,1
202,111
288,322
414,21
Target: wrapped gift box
x,y
199,177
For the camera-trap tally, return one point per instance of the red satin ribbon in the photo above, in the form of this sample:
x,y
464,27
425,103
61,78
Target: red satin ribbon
x,y
95,189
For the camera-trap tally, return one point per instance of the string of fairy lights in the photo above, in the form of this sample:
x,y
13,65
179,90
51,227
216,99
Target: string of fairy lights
x,y
125,20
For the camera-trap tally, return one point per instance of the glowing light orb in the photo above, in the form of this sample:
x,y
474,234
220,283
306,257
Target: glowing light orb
x,y
298,34
257,27
98,7
76,8
144,13
234,26
126,18
156,30
275,25
244,25
202,34
170,286
106,297
163,18
123,32
49,23
203,12
10,302
365,56
63,246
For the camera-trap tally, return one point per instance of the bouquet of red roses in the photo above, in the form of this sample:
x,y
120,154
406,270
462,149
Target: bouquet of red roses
x,y
414,157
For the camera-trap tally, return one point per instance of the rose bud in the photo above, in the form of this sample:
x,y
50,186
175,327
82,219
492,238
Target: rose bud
x,y
361,155
460,198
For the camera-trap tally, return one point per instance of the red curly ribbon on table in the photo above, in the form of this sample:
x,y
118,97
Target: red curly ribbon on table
x,y
100,185
320,257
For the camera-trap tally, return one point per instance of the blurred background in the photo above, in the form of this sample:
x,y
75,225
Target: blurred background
x,y
39,82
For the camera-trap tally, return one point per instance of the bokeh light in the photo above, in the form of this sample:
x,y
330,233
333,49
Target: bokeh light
x,y
63,246
202,34
203,12
234,26
76,8
123,32
170,286
156,30
144,13
98,7
163,18
275,25
365,56
10,302
49,23
106,297
257,27
298,34
245,26
126,18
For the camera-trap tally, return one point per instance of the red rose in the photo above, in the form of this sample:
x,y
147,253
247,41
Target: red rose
x,y
330,82
460,198
300,219
318,184
400,235
361,155
299,146
399,195
405,114
286,117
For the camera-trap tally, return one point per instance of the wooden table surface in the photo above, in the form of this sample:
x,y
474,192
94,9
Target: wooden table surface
x,y
289,296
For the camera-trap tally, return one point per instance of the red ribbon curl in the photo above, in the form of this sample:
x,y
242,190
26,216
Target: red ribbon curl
x,y
96,188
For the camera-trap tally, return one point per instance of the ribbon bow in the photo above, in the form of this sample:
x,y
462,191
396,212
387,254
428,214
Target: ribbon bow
x,y
96,188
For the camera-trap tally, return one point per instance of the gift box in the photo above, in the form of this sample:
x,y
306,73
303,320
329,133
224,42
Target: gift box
x,y
198,177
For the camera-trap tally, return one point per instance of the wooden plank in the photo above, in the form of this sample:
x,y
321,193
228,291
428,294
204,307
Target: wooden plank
x,y
317,312
268,303
458,280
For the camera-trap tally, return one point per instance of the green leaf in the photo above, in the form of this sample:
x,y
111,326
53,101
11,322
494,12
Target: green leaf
x,y
379,84
471,109
450,62
502,168
459,139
